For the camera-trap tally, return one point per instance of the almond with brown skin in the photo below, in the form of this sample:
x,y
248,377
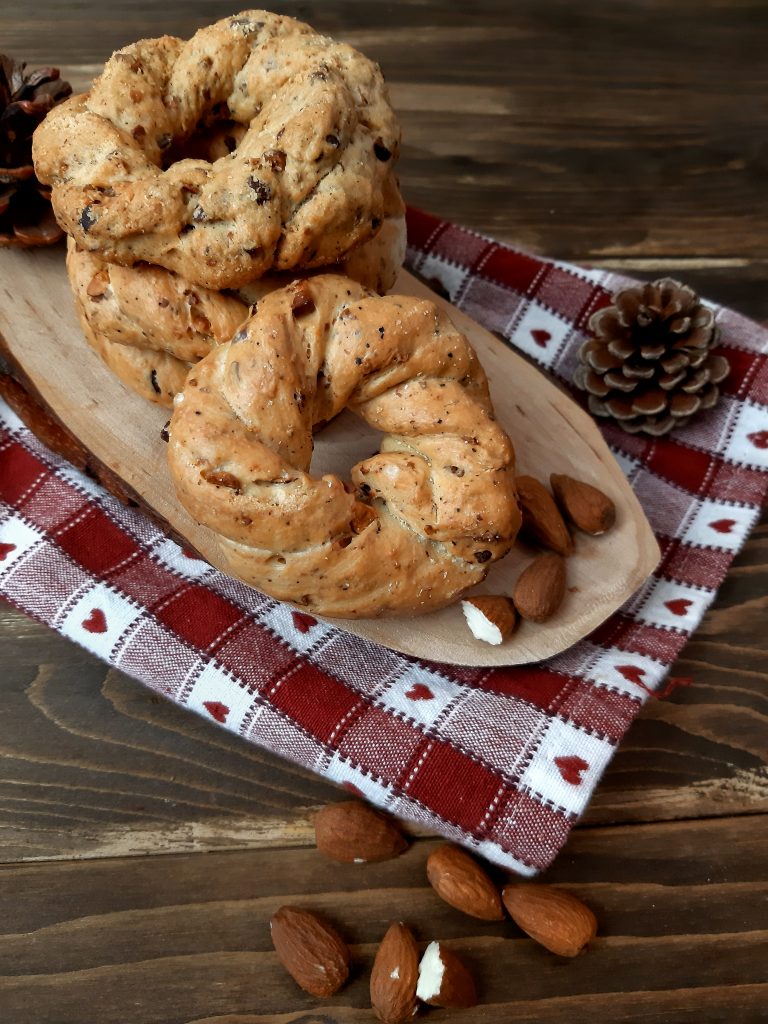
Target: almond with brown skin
x,y
541,516
587,507
395,975
490,617
354,833
458,879
556,919
540,588
444,980
311,950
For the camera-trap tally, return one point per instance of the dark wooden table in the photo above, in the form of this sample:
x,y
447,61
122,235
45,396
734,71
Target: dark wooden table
x,y
145,849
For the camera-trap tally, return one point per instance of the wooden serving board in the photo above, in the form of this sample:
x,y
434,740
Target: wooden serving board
x,y
121,434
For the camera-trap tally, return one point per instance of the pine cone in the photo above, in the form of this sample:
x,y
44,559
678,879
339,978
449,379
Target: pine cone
x,y
26,217
649,364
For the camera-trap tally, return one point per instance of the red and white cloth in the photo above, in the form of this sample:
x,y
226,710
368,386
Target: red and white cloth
x,y
502,760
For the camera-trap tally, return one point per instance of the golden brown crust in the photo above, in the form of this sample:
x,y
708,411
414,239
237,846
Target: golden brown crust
x,y
306,185
432,510
156,376
150,308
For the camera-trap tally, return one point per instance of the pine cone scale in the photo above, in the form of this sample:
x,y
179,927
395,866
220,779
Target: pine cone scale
x,y
649,364
669,381
26,97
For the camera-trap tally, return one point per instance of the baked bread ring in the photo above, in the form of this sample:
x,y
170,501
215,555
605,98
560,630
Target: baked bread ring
x,y
149,325
305,185
431,511
156,376
148,307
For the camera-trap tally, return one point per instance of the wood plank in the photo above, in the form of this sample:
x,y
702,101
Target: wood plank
x,y
181,938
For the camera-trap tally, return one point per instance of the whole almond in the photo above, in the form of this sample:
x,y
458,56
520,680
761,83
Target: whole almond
x,y
587,507
395,975
556,919
540,588
444,980
459,880
311,950
541,516
355,833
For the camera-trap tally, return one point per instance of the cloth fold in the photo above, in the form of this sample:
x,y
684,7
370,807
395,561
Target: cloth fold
x,y
502,760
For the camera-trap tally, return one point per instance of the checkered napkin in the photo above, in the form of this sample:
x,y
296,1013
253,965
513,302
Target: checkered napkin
x,y
502,760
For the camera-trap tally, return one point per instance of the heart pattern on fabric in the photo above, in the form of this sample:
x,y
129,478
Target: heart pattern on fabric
x,y
540,336
632,672
723,525
759,439
191,555
679,605
96,622
303,622
571,768
419,692
216,710
6,549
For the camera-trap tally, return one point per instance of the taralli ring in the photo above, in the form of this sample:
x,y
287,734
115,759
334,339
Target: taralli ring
x,y
150,325
305,185
426,516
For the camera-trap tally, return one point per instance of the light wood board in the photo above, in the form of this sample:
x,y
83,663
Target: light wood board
x,y
550,433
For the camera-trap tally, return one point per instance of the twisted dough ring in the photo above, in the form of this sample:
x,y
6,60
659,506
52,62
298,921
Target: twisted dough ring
x,y
149,325
432,510
305,185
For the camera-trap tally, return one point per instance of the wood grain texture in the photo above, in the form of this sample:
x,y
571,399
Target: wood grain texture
x,y
580,130
186,938
628,135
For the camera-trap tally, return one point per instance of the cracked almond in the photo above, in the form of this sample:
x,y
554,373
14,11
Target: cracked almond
x,y
490,617
444,980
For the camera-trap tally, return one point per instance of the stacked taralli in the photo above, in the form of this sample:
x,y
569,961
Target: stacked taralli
x,y
232,213
256,149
